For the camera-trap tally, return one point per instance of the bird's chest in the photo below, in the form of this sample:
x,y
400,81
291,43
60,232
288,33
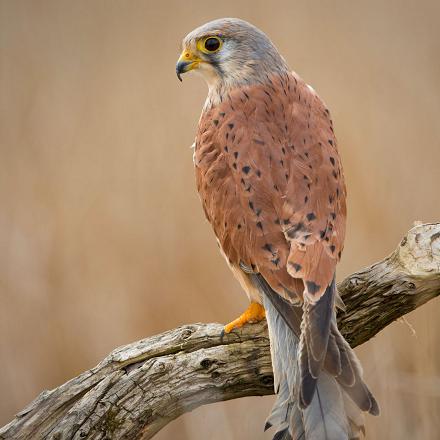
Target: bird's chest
x,y
214,181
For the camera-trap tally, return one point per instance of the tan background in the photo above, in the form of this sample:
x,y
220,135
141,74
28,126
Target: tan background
x,y
102,238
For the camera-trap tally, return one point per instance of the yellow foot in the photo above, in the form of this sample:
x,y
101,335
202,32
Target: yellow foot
x,y
254,313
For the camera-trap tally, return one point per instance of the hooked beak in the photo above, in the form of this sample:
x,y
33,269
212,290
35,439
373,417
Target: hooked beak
x,y
186,62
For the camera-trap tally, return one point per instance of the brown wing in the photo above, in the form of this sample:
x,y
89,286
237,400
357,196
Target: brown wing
x,y
270,179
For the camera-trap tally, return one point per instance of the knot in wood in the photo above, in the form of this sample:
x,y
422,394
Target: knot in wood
x,y
206,363
160,367
354,282
215,375
186,333
267,380
409,286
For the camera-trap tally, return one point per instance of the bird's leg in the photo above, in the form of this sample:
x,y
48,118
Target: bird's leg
x,y
254,313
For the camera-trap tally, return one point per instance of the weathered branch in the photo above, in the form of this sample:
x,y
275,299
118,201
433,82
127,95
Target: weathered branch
x,y
139,388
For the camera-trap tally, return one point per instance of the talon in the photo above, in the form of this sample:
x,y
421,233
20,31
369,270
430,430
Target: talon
x,y
222,335
254,313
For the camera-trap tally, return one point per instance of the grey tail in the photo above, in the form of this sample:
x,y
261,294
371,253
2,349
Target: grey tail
x,y
319,396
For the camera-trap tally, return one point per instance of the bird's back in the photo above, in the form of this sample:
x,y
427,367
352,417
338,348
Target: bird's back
x,y
271,184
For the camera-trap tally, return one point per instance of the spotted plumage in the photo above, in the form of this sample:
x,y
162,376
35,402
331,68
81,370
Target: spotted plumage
x,y
267,159
271,184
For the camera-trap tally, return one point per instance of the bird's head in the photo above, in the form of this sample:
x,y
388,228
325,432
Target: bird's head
x,y
229,52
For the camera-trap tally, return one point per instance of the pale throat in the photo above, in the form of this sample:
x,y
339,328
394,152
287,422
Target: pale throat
x,y
233,73
217,89
219,85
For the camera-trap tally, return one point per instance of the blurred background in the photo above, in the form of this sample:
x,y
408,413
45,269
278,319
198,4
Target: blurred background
x,y
102,236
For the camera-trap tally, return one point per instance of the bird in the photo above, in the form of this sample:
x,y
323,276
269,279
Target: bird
x,y
271,185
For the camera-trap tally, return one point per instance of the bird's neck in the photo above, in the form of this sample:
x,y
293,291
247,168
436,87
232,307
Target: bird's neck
x,y
221,86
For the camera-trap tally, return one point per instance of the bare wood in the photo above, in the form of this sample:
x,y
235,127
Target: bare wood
x,y
139,388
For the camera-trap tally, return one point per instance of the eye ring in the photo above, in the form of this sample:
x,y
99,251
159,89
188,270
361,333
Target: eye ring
x,y
211,44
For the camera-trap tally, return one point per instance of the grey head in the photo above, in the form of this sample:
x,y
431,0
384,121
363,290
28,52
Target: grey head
x,y
228,52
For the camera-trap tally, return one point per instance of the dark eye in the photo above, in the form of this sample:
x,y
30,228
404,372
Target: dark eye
x,y
212,44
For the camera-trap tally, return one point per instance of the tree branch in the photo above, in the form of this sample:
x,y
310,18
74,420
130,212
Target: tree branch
x,y
139,388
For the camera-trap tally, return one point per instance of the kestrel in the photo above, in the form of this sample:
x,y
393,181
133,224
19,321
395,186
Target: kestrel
x,y
271,184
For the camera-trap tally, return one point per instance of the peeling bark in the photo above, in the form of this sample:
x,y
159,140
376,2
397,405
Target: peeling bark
x,y
139,388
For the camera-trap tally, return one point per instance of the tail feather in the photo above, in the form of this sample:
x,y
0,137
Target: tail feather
x,y
352,381
281,413
315,331
325,417
317,317
348,375
296,423
320,392
279,416
307,386
361,395
356,419
333,359
282,435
